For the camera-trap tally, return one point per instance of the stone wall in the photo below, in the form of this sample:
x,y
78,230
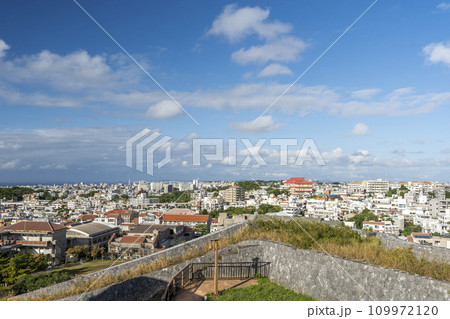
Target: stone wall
x,y
331,278
430,253
313,273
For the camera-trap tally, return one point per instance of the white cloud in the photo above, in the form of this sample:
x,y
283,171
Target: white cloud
x,y
304,100
192,136
74,71
104,77
9,165
237,23
263,125
8,146
275,69
3,48
359,156
285,49
438,53
365,94
26,167
360,129
443,6
61,166
401,92
399,151
164,110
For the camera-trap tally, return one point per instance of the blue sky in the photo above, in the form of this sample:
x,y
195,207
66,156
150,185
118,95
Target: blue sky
x,y
376,104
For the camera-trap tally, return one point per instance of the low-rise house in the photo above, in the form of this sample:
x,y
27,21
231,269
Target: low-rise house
x,y
91,233
420,238
159,234
382,227
127,215
37,238
129,247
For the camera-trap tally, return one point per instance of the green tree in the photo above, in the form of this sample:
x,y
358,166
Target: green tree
x,y
411,228
249,185
202,229
21,264
14,193
365,215
32,282
95,251
266,208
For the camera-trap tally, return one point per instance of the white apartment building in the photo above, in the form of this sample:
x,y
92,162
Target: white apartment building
x,y
377,186
382,227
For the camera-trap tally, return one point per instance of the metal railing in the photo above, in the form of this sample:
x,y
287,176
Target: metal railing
x,y
205,271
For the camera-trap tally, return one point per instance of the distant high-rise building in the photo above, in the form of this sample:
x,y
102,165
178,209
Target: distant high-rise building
x,y
156,186
377,186
234,194
168,188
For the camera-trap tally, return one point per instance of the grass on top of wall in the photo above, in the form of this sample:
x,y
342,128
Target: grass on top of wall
x,y
265,290
340,241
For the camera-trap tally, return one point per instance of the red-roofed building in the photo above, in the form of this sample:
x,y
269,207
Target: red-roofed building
x,y
36,237
187,220
133,240
86,218
298,186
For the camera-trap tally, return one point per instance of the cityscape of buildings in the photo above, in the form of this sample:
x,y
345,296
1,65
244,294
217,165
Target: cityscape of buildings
x,y
134,220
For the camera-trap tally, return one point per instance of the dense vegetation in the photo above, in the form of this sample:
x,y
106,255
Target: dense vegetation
x,y
231,211
32,282
90,194
266,208
411,228
176,196
365,216
18,270
14,193
123,197
249,185
277,192
201,229
86,252
265,290
47,196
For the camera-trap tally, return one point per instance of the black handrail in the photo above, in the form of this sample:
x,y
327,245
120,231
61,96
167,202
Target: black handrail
x,y
205,271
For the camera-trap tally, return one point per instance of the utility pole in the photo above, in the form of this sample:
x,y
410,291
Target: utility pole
x,y
215,244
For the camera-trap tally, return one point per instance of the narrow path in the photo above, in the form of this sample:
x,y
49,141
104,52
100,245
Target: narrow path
x,y
196,290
